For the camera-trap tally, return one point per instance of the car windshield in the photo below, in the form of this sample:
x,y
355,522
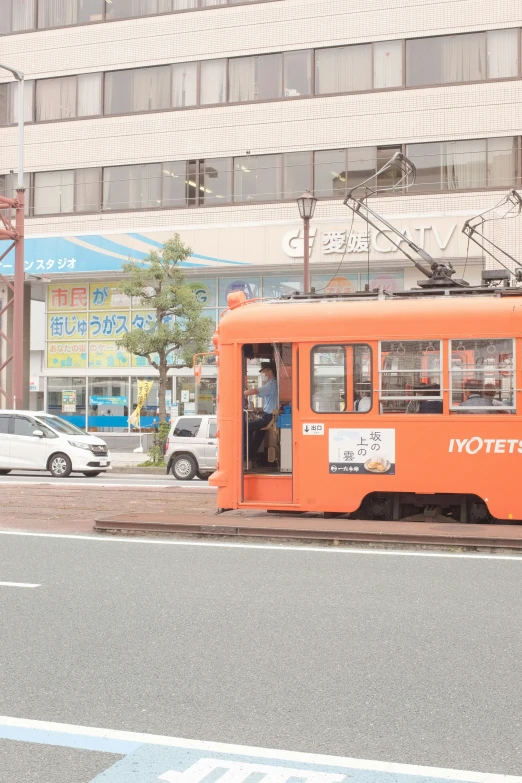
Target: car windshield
x,y
60,425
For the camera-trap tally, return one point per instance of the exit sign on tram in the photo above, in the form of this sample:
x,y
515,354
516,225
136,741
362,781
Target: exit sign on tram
x,y
313,429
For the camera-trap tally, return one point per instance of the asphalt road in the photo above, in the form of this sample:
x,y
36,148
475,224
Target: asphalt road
x,y
401,658
107,479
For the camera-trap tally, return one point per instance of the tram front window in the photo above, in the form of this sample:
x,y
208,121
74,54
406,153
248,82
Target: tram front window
x,y
410,377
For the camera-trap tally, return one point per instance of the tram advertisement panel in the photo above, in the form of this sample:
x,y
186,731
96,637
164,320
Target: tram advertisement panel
x,y
362,451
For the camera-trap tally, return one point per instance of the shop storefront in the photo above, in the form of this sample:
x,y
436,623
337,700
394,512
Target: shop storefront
x,y
91,381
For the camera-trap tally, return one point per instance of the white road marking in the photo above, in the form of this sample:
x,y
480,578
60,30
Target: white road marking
x,y
245,750
17,584
273,547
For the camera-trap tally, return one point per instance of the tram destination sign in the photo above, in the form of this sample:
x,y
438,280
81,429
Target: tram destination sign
x,y
362,451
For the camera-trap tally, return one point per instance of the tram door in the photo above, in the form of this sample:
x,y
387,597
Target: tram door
x,y
267,470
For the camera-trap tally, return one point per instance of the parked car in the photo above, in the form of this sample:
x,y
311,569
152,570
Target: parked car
x,y
191,448
40,441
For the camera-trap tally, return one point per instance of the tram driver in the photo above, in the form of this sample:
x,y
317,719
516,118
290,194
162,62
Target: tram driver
x,y
269,392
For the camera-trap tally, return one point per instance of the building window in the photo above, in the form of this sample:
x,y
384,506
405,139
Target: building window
x,y
461,165
9,102
53,192
184,84
257,78
69,96
427,160
8,183
388,179
17,16
142,89
297,170
447,59
57,13
502,162
482,376
387,64
464,164
174,192
88,190
213,82
362,164
330,173
410,375
56,98
343,69
502,53
132,187
89,94
297,73
125,9
91,10
257,178
341,378
215,181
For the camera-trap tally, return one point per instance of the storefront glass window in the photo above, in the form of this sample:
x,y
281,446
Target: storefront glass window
x,y
150,411
185,395
66,398
251,287
108,403
276,286
335,284
206,394
205,290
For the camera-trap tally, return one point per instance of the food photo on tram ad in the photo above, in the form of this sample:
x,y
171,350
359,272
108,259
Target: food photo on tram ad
x,y
374,404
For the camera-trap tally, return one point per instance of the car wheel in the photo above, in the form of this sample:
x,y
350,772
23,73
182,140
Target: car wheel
x,y
184,467
203,476
91,473
4,472
60,466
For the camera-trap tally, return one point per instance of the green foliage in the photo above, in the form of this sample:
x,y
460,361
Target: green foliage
x,y
179,331
157,450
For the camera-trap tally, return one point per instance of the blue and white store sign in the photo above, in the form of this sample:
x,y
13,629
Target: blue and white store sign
x,y
240,245
98,253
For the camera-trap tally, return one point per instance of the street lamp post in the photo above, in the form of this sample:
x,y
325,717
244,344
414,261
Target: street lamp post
x,y
306,204
16,233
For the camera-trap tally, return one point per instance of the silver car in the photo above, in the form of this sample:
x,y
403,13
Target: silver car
x,y
191,448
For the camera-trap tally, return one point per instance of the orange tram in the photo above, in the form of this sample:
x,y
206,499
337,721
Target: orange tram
x,y
390,407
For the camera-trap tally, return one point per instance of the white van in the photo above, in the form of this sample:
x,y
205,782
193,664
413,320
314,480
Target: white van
x,y
39,441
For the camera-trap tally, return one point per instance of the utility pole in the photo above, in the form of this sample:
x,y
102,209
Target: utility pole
x,y
14,232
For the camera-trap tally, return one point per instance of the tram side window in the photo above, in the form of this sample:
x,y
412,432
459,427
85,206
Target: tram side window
x,y
482,376
410,377
341,378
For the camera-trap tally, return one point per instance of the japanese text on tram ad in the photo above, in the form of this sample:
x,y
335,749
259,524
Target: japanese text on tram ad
x,y
362,451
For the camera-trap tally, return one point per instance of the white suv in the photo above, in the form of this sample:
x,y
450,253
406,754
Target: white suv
x,y
191,448
39,441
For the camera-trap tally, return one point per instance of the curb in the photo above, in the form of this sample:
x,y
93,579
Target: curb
x,y
142,471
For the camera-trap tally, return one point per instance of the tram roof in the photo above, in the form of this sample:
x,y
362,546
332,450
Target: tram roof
x,y
483,314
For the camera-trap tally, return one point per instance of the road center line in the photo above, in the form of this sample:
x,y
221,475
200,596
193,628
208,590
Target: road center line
x,y
17,584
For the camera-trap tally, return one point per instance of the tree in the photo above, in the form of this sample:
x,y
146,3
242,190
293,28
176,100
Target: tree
x,y
178,331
